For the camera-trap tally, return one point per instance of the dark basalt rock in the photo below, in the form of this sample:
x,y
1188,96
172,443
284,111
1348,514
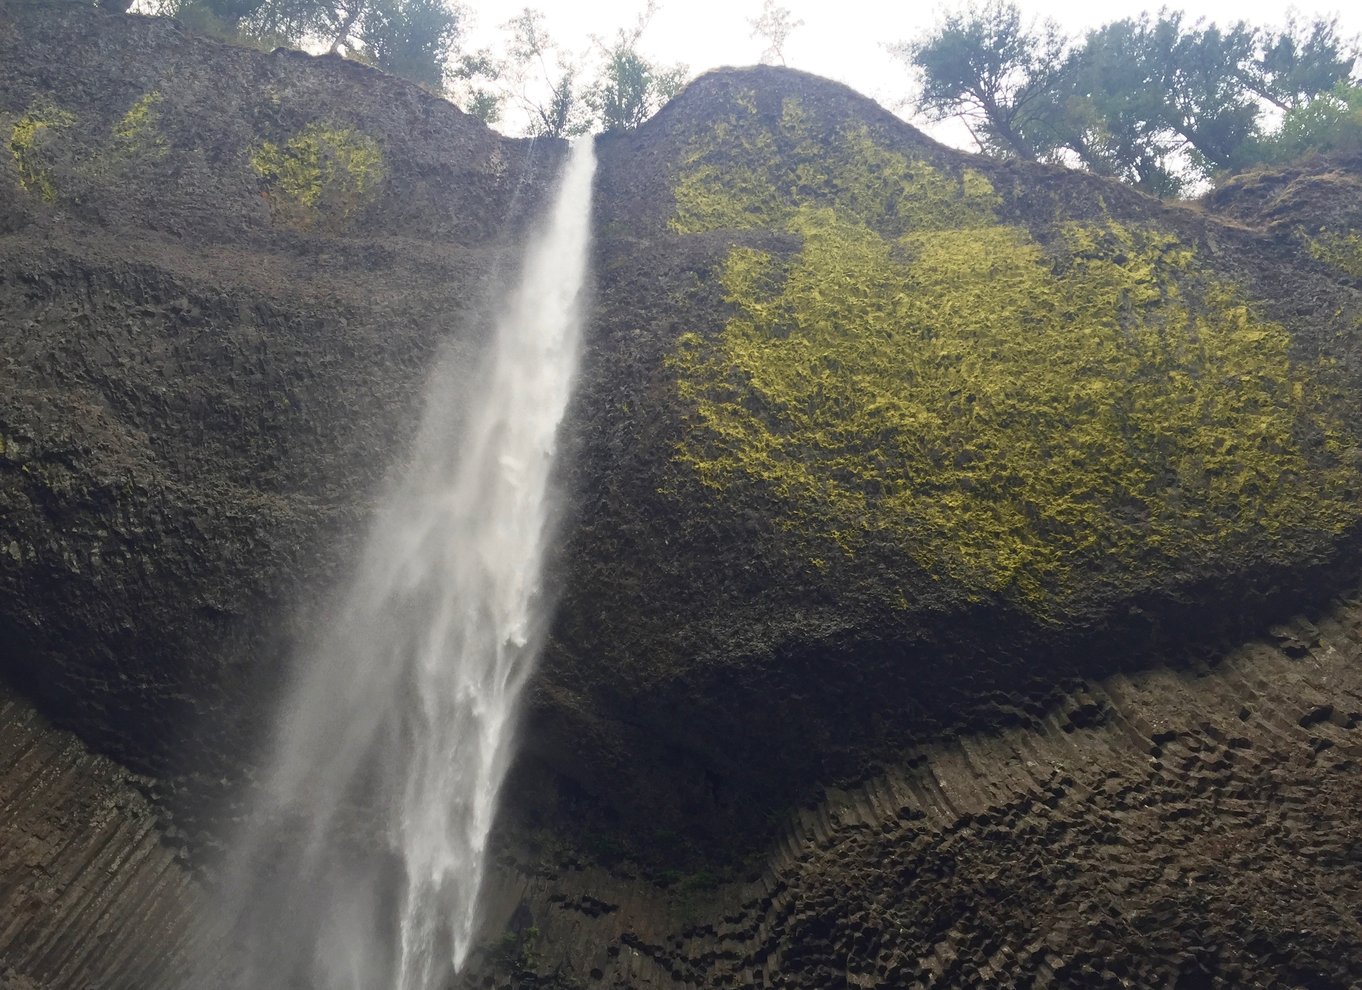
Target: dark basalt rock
x,y
205,378
208,368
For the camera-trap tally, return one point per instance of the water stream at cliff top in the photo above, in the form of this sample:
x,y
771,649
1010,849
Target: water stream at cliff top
x,y
362,867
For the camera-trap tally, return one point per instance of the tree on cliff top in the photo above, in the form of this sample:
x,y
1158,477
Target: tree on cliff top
x,y
543,79
630,88
774,25
998,75
420,40
548,83
1155,101
416,39
1301,62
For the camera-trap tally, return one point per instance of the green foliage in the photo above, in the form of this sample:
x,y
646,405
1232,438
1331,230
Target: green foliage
x,y
1329,122
253,23
544,79
622,98
474,78
323,171
414,39
631,88
1115,120
1300,62
1159,101
29,143
614,87
1017,419
1201,67
485,105
983,65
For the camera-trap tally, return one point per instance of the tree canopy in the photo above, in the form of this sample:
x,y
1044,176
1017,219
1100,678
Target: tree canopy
x,y
1163,102
629,88
988,68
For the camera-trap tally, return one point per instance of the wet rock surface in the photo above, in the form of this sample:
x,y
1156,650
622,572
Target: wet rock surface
x,y
212,360
1191,826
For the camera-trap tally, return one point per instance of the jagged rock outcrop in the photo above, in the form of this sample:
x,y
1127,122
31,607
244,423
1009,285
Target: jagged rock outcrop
x,y
875,443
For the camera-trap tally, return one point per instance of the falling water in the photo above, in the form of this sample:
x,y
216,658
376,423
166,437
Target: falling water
x,y
362,868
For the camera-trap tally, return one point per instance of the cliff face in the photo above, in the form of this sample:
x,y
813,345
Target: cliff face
x,y
874,442
223,284
877,439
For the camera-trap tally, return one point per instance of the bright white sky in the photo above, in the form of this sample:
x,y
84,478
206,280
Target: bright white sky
x,y
841,39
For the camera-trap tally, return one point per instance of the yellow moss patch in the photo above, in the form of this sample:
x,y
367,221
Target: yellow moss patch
x,y
780,169
27,141
138,131
323,170
1342,251
1014,418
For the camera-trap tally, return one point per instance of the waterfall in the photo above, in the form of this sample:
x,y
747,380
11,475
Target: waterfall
x,y
360,870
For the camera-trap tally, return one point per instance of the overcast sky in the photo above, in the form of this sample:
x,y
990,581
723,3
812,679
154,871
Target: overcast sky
x,y
841,39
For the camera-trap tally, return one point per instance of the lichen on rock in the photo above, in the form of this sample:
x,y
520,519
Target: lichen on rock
x,y
1022,419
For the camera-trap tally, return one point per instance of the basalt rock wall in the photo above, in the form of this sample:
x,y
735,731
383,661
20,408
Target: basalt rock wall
x,y
874,441
226,274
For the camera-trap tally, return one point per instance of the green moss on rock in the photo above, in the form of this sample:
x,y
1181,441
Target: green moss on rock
x,y
138,131
1342,251
764,175
323,171
1019,419
28,142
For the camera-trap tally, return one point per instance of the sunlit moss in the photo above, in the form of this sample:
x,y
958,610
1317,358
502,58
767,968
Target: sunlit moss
x,y
27,142
138,131
1016,418
323,170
